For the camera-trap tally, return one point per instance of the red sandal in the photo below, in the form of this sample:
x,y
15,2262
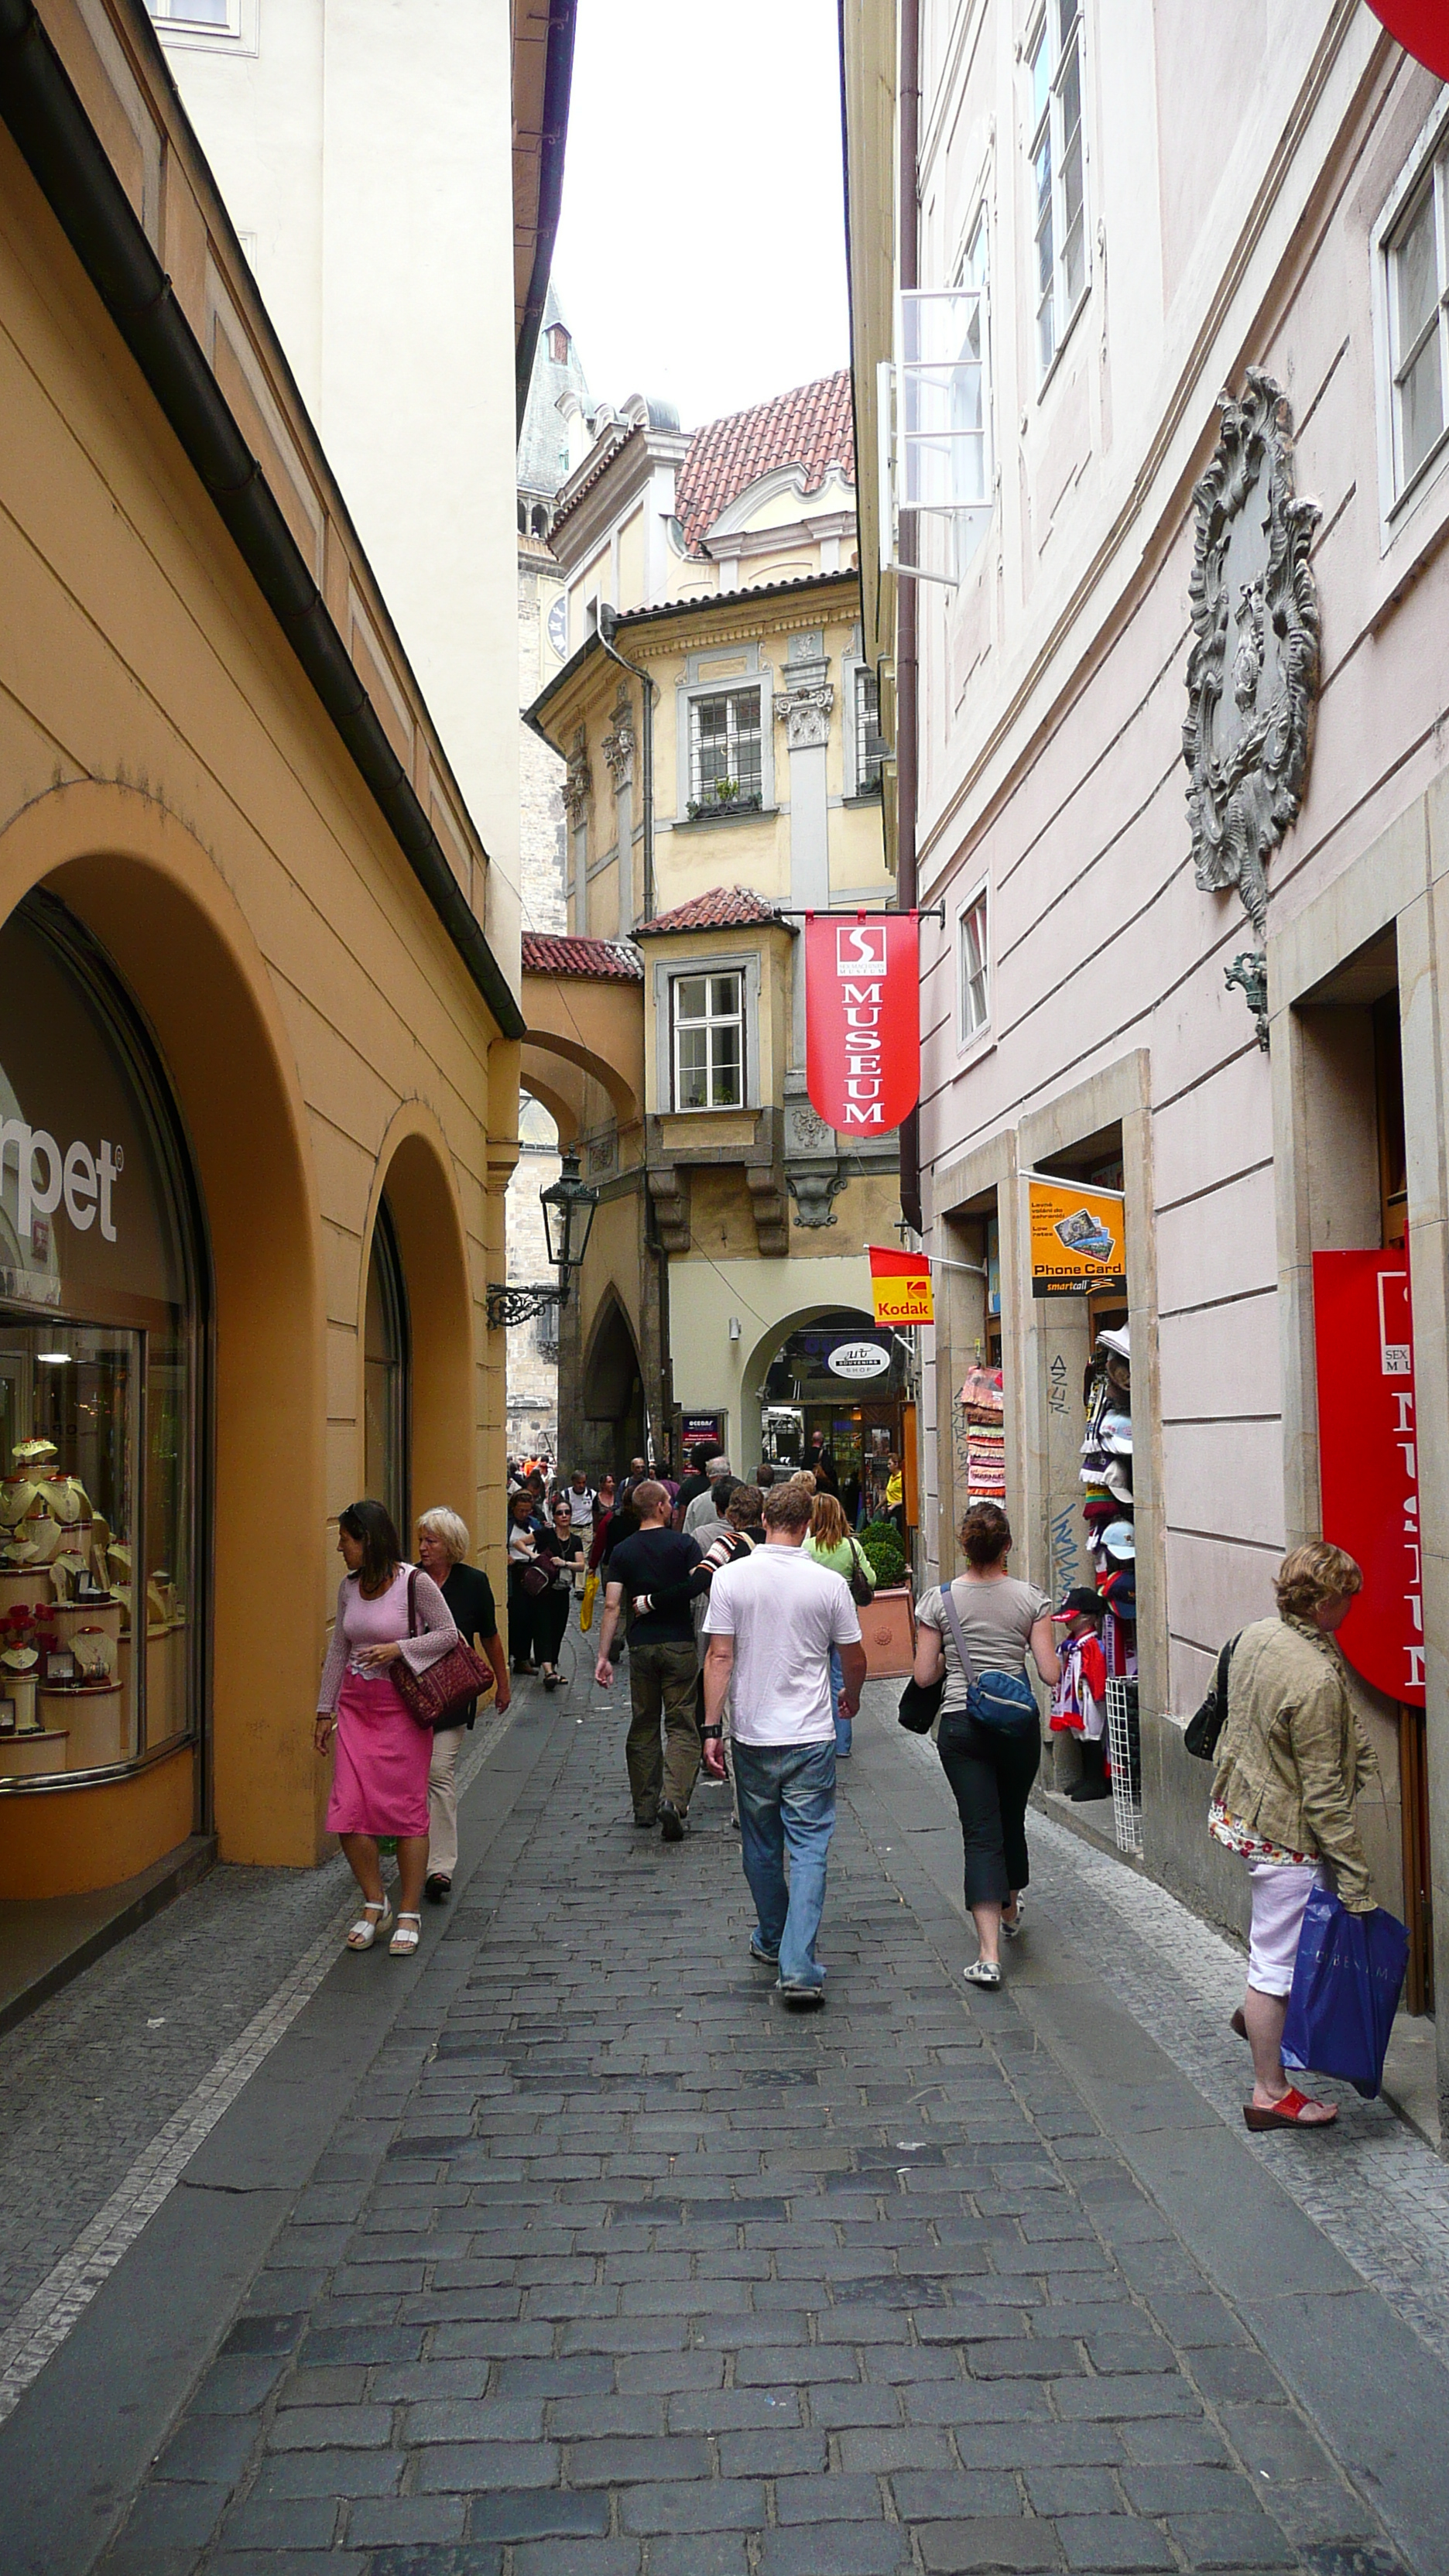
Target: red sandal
x,y
1288,2113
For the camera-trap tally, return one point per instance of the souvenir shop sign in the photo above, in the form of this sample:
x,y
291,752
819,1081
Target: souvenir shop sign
x,y
1078,1237
862,1019
858,1360
900,1286
1368,1455
1422,28
700,1426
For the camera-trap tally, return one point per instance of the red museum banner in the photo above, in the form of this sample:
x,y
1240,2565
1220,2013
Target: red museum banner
x,y
862,1019
1422,28
1368,1459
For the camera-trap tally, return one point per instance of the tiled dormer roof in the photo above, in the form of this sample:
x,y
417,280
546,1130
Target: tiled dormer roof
x,y
812,427
606,961
724,908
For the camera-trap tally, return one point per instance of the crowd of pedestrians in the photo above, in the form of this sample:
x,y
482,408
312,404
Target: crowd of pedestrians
x,y
735,1606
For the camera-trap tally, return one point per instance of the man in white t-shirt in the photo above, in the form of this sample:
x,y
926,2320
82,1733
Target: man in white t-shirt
x,y
772,1620
579,1495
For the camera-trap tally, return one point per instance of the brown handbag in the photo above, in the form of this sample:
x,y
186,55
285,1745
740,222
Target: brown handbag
x,y
441,1695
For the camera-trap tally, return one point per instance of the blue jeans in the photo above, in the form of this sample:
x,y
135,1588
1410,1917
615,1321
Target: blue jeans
x,y
787,1803
837,1684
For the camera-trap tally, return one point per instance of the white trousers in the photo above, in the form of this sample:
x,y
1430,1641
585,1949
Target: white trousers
x,y
1281,1890
443,1802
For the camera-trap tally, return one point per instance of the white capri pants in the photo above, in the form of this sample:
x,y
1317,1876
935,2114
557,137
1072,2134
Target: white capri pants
x,y
1281,1890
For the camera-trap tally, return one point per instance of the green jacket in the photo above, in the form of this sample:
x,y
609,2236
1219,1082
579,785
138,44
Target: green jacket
x,y
1293,1757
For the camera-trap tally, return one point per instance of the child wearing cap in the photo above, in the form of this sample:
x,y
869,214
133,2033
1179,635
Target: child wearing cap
x,y
1079,1705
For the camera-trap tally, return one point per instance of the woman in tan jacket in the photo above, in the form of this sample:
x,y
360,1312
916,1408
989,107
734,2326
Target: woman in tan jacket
x,y
1291,1762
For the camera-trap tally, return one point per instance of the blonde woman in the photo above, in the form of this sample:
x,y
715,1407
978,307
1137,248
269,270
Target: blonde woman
x,y
443,1545
1291,1762
832,1544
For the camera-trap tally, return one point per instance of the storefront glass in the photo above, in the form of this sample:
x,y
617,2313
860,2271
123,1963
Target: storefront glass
x,y
99,1323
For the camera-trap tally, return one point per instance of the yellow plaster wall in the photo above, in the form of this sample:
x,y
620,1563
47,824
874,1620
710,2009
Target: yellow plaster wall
x,y
166,770
721,1216
631,562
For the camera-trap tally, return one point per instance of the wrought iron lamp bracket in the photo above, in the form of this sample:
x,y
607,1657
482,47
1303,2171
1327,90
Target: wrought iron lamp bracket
x,y
508,1306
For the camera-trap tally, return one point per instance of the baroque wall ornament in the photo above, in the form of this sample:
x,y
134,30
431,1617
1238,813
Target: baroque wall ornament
x,y
805,711
1252,674
578,779
618,746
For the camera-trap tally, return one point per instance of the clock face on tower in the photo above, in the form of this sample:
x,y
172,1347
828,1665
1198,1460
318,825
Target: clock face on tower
x,y
558,627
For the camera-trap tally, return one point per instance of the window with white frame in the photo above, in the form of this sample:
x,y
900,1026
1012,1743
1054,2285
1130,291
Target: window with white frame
x,y
709,1041
1417,296
1054,58
726,763
218,17
975,969
869,747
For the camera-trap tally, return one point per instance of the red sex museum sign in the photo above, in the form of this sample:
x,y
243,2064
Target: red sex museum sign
x,y
1369,1459
1422,28
862,1019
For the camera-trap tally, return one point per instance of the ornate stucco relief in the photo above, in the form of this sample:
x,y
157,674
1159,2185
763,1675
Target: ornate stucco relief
x,y
1252,674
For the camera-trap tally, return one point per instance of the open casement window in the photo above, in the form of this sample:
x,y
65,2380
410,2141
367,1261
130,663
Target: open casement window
x,y
725,751
709,1041
975,969
1054,57
935,465
1418,310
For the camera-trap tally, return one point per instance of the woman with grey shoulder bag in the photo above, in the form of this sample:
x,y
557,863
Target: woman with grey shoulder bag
x,y
973,1637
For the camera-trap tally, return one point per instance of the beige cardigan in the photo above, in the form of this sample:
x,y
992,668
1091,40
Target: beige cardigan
x,y
1293,1758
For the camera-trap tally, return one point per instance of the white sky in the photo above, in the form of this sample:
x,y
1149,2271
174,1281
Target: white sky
x,y
701,252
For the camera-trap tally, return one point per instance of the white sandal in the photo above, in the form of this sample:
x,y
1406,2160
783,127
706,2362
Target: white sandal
x,y
404,1942
983,1972
365,1931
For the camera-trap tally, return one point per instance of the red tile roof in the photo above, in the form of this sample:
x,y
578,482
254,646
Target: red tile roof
x,y
812,427
604,960
723,908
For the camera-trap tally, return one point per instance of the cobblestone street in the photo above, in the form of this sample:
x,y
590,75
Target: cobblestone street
x,y
567,2249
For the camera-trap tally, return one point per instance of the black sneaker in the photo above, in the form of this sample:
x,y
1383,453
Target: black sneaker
x,y
437,1888
648,1822
801,1998
672,1825
764,1958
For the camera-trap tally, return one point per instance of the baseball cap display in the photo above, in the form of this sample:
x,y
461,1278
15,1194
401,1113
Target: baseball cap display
x,y
1079,1602
1119,1539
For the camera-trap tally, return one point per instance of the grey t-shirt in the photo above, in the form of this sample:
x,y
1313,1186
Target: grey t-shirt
x,y
997,1619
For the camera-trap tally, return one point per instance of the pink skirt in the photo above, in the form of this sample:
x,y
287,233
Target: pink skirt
x,y
380,1777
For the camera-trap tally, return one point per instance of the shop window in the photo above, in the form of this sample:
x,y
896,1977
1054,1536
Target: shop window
x,y
1416,282
709,1041
1054,57
101,1336
385,1375
975,969
726,752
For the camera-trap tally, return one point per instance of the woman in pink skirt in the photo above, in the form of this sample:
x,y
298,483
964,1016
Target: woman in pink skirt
x,y
380,1781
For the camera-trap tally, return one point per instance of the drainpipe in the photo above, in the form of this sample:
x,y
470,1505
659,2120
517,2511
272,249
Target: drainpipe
x,y
908,227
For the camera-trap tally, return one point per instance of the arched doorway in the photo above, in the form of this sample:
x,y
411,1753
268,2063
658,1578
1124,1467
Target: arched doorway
x,y
613,1384
418,1260
857,1409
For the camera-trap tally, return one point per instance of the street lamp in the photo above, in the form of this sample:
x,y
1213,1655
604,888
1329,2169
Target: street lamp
x,y
568,1214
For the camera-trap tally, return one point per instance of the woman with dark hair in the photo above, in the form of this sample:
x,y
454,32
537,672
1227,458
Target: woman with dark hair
x,y
991,1767
380,1778
560,1549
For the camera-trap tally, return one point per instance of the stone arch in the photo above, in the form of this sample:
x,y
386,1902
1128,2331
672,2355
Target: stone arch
x,y
763,1350
623,1099
415,1174
561,1110
612,1379
159,907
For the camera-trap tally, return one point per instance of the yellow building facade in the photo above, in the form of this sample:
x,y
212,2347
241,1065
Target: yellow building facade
x,y
730,1243
258,1062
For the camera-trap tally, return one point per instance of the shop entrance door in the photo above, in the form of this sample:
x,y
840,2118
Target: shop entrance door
x,y
1413,1768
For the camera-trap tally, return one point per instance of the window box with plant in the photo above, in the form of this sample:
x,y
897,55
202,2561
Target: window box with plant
x,y
724,796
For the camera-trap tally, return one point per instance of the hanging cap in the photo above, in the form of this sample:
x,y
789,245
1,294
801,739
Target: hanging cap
x,y
1120,1539
1079,1601
1118,1480
1116,1338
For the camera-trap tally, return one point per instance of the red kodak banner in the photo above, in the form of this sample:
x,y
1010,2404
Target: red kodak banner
x,y
862,1019
1422,28
900,1285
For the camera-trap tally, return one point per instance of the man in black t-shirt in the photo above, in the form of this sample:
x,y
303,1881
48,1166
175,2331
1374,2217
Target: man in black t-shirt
x,y
662,1664
696,1482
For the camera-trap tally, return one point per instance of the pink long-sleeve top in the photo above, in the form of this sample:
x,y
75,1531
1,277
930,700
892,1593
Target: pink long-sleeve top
x,y
384,1622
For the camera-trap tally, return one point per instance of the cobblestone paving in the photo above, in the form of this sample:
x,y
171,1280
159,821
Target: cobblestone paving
x,y
92,2078
620,2270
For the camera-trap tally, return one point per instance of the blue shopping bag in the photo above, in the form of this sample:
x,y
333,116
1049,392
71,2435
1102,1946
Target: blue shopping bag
x,y
1347,1979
